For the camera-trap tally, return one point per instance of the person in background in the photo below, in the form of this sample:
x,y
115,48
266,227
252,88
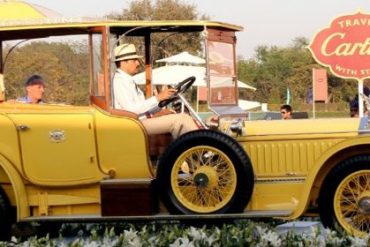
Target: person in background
x,y
353,104
129,97
35,88
286,112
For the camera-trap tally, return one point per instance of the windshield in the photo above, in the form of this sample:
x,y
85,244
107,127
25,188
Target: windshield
x,y
222,73
168,58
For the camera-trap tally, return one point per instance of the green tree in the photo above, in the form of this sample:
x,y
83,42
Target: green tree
x,y
64,66
165,44
274,69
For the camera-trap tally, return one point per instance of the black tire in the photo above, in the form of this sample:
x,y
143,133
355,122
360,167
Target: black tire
x,y
5,216
212,153
341,210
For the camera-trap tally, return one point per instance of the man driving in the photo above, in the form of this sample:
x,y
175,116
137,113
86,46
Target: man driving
x,y
129,97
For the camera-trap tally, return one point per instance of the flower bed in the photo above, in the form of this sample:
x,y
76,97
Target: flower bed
x,y
247,233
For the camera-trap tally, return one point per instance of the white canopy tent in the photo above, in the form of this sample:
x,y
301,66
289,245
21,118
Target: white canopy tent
x,y
247,105
173,74
178,68
182,58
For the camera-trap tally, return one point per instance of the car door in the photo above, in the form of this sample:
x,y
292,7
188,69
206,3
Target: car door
x,y
58,145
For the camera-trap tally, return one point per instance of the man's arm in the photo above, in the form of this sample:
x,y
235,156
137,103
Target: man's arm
x,y
127,98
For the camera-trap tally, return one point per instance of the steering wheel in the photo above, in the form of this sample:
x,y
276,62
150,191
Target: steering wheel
x,y
181,87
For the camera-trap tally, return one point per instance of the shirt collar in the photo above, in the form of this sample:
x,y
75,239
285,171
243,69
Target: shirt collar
x,y
123,73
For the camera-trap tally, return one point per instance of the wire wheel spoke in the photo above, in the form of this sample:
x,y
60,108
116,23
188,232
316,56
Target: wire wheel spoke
x,y
361,222
351,191
206,179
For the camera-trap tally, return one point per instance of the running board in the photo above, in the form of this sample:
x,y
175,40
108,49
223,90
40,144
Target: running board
x,y
164,217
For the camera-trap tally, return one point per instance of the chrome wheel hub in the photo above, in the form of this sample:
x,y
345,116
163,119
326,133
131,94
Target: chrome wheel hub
x,y
364,205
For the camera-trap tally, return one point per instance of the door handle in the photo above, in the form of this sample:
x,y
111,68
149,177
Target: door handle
x,y
22,127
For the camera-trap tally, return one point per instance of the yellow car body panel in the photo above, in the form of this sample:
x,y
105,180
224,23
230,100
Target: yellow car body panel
x,y
286,157
285,128
18,187
57,148
122,146
9,141
80,145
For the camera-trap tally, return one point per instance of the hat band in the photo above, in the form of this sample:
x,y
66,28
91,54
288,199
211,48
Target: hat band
x,y
126,55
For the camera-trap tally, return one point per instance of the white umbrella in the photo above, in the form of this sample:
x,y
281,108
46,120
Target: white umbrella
x,y
22,11
173,74
244,85
247,105
183,57
228,82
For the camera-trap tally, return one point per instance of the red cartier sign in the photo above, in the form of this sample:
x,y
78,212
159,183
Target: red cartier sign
x,y
345,46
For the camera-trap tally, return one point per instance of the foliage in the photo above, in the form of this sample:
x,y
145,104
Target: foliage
x,y
166,44
274,69
245,233
64,67
158,10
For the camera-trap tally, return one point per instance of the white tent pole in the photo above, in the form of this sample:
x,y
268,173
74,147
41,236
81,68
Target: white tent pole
x,y
313,94
197,99
360,98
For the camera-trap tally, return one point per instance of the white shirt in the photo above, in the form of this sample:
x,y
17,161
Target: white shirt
x,y
129,97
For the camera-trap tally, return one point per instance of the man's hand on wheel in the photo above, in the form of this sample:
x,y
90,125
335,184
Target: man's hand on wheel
x,y
166,94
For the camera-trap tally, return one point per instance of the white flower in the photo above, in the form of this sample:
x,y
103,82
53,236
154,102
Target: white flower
x,y
131,237
357,241
211,239
14,239
130,234
152,240
261,231
270,238
91,244
197,234
182,242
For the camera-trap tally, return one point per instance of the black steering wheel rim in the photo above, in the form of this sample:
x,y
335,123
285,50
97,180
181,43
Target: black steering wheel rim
x,y
181,87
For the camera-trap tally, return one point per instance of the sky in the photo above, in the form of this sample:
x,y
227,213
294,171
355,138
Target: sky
x,y
265,22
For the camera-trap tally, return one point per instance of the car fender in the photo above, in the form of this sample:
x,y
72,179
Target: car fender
x,y
321,164
18,187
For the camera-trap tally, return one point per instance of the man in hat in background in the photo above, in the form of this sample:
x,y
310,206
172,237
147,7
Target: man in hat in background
x,y
129,97
35,88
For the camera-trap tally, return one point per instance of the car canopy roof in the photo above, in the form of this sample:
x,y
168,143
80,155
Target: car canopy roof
x,y
43,27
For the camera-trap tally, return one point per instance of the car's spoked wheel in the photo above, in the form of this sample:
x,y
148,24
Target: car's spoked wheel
x,y
344,201
352,203
204,172
203,179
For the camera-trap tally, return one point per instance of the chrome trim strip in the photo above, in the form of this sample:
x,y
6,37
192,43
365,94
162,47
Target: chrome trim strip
x,y
300,133
280,180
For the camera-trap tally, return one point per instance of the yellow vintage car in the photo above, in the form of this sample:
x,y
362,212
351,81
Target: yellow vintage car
x,y
61,162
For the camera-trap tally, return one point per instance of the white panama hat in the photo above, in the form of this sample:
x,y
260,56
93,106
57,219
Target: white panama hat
x,y
125,52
